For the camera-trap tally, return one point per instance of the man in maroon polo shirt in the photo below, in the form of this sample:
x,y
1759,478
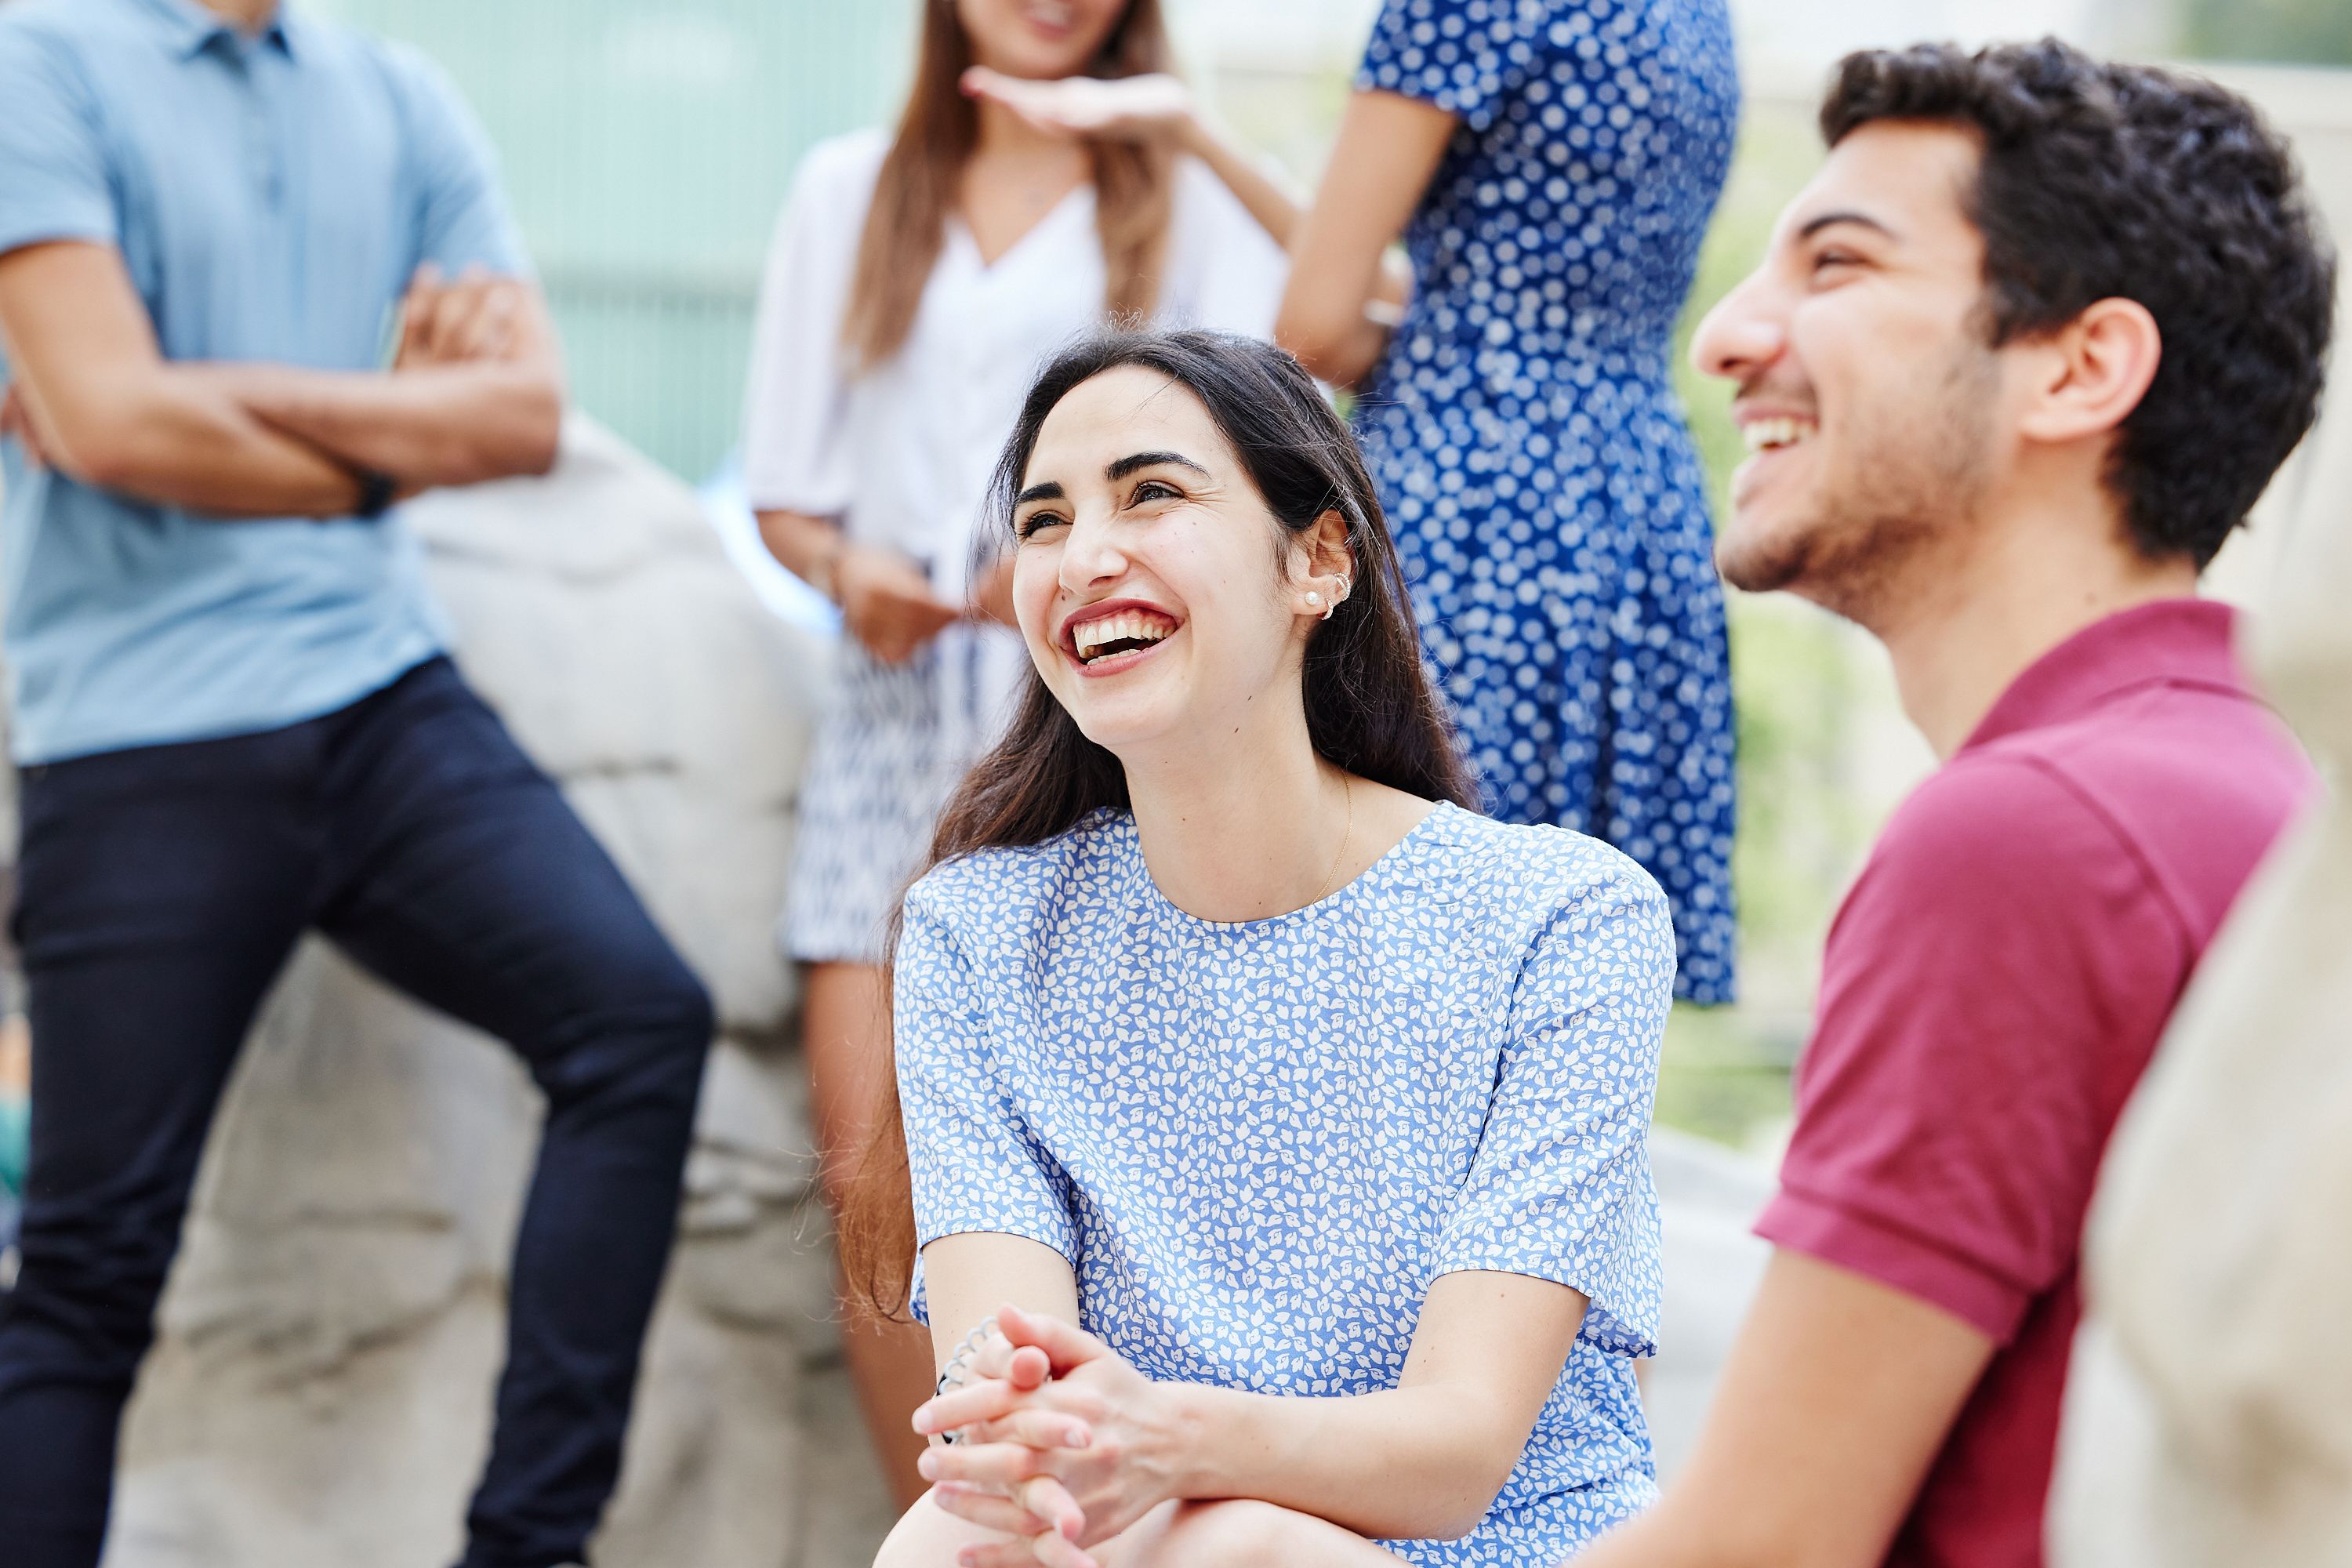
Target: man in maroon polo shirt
x,y
2020,358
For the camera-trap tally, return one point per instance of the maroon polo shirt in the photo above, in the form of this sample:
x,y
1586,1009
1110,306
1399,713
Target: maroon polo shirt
x,y
1991,990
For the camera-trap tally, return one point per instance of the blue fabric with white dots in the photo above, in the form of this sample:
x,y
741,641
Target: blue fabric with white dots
x,y
1259,1143
1546,502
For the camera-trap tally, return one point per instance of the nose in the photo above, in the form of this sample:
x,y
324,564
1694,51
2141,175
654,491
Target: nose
x,y
1741,335
1091,555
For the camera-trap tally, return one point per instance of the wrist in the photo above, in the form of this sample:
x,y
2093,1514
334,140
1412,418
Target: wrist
x,y
1194,1462
821,570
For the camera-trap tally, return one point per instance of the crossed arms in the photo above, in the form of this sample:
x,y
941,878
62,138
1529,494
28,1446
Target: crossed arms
x,y
477,393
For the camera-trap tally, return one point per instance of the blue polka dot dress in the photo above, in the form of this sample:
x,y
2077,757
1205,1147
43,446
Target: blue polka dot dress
x,y
1259,1143
1546,502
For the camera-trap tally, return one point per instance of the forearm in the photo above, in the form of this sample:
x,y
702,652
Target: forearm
x,y
166,436
436,424
805,545
1422,1462
1275,210
1359,316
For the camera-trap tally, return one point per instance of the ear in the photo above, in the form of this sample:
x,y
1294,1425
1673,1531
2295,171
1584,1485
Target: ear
x,y
1323,568
2092,374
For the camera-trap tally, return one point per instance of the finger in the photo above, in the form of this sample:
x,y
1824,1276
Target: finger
x,y
1052,1503
1065,1344
1045,1549
485,331
989,1509
990,1399
979,1464
1028,1368
1038,1429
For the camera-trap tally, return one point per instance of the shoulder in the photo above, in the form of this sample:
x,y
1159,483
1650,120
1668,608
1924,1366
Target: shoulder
x,y
1993,815
48,38
843,169
1544,889
994,896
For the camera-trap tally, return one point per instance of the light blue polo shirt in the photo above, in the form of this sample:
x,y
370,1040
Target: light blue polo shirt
x,y
271,196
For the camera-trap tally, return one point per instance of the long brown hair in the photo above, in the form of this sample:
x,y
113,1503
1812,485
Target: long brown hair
x,y
917,188
1369,706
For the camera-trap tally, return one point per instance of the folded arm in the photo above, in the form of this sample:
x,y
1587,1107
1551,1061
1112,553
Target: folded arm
x,y
109,410
477,393
1837,1397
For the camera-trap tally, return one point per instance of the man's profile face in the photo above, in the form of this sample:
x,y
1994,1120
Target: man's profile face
x,y
1869,400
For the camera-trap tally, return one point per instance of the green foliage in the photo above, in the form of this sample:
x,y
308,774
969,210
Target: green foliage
x,y
2279,32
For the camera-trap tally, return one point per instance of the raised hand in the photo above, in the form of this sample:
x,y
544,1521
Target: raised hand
x,y
1122,109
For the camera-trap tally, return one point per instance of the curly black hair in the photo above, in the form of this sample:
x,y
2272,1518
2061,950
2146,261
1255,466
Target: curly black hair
x,y
2106,181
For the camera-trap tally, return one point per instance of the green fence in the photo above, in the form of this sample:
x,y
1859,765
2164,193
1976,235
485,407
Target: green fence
x,y
647,146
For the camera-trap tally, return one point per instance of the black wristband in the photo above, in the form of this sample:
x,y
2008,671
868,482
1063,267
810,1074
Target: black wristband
x,y
376,492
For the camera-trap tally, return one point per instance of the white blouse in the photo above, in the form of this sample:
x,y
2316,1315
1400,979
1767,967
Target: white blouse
x,y
902,454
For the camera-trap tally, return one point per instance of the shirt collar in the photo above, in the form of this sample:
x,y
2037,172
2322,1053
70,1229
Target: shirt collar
x,y
191,27
2177,642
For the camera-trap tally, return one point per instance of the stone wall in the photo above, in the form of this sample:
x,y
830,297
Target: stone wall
x,y
330,1338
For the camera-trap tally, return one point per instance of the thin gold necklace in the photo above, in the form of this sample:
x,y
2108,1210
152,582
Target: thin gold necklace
x,y
1348,788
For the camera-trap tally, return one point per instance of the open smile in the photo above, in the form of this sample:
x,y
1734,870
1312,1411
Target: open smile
x,y
1107,639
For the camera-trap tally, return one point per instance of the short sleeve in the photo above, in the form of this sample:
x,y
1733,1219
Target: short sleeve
x,y
53,175
975,1162
1462,55
461,214
795,457
1226,273
1560,1188
1990,992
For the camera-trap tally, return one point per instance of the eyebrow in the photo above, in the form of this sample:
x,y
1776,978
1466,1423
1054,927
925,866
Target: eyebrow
x,y
1129,464
1049,491
1844,215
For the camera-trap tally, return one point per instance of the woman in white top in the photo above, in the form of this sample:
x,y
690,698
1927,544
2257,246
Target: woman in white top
x,y
916,282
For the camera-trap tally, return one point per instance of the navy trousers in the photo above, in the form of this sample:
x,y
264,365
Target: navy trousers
x,y
161,891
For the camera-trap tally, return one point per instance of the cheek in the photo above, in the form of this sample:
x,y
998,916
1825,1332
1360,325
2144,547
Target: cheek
x,y
1036,578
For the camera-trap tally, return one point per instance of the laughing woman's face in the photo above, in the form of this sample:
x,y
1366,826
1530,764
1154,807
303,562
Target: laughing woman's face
x,y
1151,583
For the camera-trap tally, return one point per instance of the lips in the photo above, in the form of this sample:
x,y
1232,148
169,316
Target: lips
x,y
1109,637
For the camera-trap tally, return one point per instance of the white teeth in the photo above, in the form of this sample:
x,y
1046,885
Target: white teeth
x,y
1765,435
1130,626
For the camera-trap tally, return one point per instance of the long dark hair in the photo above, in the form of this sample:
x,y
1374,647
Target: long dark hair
x,y
907,223
1369,706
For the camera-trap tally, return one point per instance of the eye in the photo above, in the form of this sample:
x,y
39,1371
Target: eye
x,y
1825,261
1029,523
1155,490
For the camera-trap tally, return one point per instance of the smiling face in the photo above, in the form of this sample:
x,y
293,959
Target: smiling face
x,y
1876,415
1045,40
1153,585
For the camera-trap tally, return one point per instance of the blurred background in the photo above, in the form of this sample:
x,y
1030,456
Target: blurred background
x,y
647,145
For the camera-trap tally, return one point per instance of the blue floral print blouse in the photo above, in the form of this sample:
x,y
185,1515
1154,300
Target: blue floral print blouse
x,y
1259,1143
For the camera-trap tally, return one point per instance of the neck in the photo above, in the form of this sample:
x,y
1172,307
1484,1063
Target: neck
x,y
2031,580
245,16
1246,829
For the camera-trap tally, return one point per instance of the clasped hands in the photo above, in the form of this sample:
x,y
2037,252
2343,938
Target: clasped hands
x,y
1062,1445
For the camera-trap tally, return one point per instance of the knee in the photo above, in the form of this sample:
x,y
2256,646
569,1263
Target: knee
x,y
1239,1533
926,1537
643,1038
91,1281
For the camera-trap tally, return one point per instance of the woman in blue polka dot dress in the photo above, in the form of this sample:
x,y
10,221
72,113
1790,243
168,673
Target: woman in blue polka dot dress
x,y
1552,165
1290,1120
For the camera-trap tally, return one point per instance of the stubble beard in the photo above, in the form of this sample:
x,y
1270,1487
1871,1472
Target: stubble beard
x,y
1914,472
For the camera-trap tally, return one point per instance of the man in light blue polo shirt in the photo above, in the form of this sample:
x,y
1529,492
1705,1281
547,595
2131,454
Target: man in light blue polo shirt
x,y
236,722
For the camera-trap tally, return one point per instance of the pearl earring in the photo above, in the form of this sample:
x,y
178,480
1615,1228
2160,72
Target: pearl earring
x,y
1313,601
